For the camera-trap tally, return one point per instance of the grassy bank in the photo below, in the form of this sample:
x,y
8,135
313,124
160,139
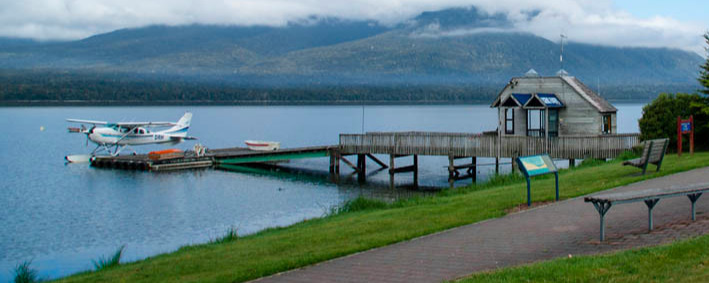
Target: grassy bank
x,y
365,226
685,261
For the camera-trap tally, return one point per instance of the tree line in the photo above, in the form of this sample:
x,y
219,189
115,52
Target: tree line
x,y
55,86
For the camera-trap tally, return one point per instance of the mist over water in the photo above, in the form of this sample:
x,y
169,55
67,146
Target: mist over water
x,y
62,216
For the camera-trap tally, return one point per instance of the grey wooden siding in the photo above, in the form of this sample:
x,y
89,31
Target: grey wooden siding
x,y
579,117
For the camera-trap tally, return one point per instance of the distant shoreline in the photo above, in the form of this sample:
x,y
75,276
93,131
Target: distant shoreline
x,y
53,103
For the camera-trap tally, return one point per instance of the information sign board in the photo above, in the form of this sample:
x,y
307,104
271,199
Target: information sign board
x,y
537,165
534,165
685,127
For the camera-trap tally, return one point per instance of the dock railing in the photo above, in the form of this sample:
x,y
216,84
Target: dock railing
x,y
486,145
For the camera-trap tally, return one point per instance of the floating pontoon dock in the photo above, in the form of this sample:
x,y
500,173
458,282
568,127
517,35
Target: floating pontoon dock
x,y
212,157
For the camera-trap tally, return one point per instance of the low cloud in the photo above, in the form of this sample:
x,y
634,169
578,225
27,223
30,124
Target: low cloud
x,y
588,21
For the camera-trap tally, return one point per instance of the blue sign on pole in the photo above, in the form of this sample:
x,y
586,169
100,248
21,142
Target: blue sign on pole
x,y
537,165
686,127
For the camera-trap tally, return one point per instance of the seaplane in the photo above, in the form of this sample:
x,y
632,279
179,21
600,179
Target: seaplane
x,y
115,137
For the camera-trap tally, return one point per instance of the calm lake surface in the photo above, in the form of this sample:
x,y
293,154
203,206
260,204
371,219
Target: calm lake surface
x,y
63,216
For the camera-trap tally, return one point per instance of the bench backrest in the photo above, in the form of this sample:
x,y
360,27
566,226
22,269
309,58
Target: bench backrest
x,y
654,150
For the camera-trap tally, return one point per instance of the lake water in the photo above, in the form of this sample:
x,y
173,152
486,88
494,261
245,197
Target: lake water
x,y
63,216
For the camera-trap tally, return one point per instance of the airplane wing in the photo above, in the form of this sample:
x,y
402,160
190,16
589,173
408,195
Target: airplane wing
x,y
190,138
87,121
123,124
144,124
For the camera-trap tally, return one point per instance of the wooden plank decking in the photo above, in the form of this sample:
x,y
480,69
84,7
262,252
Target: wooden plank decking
x,y
235,155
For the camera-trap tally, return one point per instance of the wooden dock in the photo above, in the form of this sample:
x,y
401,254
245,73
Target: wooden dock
x,y
212,157
471,146
456,146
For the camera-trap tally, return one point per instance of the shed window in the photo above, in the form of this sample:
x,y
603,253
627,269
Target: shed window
x,y
553,122
606,124
509,121
535,123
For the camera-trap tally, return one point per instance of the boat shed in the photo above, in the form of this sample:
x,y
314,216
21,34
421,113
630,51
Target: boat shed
x,y
552,106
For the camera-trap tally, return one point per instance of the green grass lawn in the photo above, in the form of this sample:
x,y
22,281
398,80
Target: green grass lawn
x,y
685,261
316,240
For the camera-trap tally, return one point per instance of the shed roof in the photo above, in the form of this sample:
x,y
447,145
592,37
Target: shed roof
x,y
596,100
584,91
550,100
522,97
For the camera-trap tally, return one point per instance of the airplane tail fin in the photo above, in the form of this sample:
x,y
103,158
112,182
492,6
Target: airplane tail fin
x,y
182,126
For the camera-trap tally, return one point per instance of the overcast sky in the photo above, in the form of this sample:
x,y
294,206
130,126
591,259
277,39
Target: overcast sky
x,y
676,24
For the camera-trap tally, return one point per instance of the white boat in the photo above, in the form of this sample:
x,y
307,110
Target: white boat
x,y
78,158
262,145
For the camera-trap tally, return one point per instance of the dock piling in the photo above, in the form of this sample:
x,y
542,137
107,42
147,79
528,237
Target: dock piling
x,y
392,157
416,170
361,167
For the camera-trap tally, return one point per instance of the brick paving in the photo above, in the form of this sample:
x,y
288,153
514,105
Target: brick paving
x,y
551,231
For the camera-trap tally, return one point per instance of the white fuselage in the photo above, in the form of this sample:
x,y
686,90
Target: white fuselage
x,y
123,134
138,136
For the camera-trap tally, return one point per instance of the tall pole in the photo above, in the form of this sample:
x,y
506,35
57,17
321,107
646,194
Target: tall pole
x,y
363,117
561,56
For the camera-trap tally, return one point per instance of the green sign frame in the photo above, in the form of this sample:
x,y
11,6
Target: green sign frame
x,y
535,165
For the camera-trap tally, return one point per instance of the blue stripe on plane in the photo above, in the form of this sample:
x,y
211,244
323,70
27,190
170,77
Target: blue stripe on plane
x,y
183,130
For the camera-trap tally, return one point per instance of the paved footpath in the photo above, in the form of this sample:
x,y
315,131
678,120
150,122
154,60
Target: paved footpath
x,y
555,230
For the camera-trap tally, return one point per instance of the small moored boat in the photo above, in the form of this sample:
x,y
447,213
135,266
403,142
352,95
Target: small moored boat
x,y
262,145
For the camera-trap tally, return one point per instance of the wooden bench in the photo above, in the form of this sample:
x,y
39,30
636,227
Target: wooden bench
x,y
653,153
651,197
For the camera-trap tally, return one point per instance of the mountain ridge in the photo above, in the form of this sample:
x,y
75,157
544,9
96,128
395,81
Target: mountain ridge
x,y
459,46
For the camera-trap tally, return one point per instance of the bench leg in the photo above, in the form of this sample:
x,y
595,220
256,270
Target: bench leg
x,y
650,205
693,198
602,208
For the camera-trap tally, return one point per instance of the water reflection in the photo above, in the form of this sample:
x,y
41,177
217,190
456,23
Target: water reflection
x,y
348,184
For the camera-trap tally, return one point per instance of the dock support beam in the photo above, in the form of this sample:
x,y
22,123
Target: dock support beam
x,y
497,165
451,172
411,168
376,160
454,174
361,167
474,170
392,157
335,164
416,170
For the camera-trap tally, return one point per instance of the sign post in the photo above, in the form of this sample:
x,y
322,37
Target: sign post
x,y
685,127
534,165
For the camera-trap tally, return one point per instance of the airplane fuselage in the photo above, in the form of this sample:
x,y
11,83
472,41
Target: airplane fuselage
x,y
122,134
139,136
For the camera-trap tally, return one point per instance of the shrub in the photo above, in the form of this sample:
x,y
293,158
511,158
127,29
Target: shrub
x,y
25,274
231,235
659,118
358,204
108,262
